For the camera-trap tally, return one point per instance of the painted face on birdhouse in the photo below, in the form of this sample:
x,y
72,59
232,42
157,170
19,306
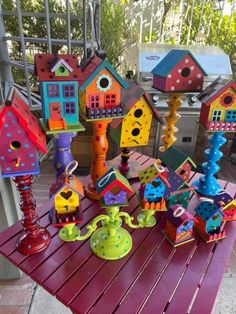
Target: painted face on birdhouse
x,y
154,190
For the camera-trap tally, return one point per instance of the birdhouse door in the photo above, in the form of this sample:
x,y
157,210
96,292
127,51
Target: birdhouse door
x,y
55,111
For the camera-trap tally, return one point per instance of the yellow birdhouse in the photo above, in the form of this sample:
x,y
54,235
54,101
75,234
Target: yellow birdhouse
x,y
66,191
134,129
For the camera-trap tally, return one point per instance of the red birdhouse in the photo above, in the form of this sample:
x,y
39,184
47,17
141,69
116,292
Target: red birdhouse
x,y
179,71
21,137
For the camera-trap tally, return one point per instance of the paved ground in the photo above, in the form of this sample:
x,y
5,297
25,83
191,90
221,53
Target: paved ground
x,y
23,296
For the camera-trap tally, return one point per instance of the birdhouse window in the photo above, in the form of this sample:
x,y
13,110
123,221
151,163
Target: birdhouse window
x,y
185,72
227,100
94,101
15,145
104,82
216,115
138,113
53,90
69,108
230,116
69,90
110,100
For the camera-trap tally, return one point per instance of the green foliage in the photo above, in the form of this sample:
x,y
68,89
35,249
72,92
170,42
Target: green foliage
x,y
115,30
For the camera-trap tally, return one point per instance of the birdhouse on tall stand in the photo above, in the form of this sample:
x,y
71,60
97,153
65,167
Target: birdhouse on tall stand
x,y
179,225
217,116
177,73
58,77
134,129
100,89
21,138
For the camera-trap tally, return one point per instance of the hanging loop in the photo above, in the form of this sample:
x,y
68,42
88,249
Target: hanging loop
x,y
179,211
70,168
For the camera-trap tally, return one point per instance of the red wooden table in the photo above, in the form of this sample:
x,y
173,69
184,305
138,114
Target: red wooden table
x,y
153,278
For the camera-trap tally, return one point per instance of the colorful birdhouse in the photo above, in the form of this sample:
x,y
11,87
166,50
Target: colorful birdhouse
x,y
208,221
113,188
58,77
179,162
100,90
178,71
181,196
228,205
65,192
218,111
179,225
153,184
134,129
21,137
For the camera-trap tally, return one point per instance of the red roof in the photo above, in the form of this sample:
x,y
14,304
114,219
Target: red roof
x,y
215,90
26,119
88,68
44,62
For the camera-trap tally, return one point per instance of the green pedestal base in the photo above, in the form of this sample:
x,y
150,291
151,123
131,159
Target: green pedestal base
x,y
146,219
111,247
68,236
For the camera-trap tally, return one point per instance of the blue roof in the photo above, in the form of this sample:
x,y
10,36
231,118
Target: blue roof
x,y
107,65
206,210
171,60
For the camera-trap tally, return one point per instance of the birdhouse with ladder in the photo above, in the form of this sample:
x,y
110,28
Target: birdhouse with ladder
x,y
58,77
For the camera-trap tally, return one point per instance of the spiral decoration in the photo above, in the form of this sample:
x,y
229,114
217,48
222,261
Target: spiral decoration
x,y
171,117
207,184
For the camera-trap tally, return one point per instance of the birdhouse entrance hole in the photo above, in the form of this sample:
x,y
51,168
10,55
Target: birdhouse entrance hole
x,y
138,113
15,145
62,69
182,172
135,132
185,72
104,82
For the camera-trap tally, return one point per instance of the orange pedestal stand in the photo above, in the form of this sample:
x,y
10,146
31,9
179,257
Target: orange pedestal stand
x,y
100,147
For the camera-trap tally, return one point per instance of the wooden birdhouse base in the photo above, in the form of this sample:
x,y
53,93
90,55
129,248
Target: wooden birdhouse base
x,y
69,129
179,243
210,237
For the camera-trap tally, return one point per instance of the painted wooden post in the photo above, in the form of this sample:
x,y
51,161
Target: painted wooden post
x,y
168,138
100,147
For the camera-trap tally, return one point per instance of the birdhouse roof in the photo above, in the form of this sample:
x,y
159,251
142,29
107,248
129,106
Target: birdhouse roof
x,y
93,67
215,90
110,179
45,65
177,221
130,97
152,172
175,158
165,66
16,103
206,210
63,180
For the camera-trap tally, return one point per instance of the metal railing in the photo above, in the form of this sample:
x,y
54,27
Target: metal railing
x,y
9,63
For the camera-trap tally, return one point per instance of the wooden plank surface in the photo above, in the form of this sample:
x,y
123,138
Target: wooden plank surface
x,y
154,277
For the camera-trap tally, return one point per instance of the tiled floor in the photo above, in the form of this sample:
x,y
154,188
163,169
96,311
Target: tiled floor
x,y
23,296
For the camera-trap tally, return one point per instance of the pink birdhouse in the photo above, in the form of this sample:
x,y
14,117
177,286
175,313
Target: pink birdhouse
x,y
21,137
